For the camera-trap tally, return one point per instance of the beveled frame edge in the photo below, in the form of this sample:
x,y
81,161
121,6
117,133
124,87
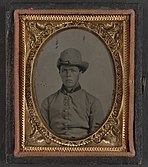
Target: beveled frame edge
x,y
16,83
131,84
17,12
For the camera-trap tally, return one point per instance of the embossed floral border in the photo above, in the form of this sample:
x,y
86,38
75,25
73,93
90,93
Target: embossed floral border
x,y
116,29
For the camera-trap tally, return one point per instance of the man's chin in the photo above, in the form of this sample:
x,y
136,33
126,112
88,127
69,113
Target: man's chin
x,y
69,86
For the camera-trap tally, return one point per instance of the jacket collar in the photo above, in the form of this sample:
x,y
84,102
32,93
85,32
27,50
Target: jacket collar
x,y
65,91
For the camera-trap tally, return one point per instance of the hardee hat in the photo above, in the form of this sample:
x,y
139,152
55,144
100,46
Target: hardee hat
x,y
72,57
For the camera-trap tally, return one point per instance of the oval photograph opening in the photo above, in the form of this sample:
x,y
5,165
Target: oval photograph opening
x,y
74,83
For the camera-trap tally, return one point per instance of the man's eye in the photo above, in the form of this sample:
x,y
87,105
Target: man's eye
x,y
64,70
73,70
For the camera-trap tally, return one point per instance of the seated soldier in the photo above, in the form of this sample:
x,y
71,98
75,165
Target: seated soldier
x,y
72,112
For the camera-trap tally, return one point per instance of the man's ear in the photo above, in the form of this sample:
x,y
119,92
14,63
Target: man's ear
x,y
59,69
80,72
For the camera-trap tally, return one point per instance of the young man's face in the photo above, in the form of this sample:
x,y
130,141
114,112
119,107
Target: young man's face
x,y
70,75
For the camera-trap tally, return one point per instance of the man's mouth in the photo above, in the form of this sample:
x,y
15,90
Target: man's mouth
x,y
69,80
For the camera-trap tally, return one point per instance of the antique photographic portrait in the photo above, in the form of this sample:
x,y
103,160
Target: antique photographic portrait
x,y
74,82
74,96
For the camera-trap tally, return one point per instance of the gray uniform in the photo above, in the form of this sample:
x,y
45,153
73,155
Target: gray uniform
x,y
73,114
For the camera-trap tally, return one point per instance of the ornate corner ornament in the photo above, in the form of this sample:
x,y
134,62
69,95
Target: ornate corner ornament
x,y
115,28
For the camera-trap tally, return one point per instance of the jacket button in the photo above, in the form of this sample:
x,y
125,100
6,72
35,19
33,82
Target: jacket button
x,y
66,98
65,133
65,110
66,117
65,124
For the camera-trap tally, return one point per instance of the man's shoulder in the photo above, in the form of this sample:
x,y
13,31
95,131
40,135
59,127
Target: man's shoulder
x,y
89,96
93,101
51,97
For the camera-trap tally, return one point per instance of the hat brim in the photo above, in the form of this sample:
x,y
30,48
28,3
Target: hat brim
x,y
83,65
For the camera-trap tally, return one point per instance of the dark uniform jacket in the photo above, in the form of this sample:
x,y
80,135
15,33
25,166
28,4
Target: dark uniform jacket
x,y
72,115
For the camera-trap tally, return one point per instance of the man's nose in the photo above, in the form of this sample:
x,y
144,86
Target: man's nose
x,y
68,73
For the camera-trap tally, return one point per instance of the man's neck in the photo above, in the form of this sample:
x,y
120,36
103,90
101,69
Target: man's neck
x,y
71,90
68,89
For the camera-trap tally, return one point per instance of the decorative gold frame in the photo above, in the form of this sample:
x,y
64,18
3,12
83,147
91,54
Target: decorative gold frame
x,y
116,29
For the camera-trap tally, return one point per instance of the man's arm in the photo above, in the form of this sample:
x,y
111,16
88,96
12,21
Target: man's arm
x,y
96,115
45,110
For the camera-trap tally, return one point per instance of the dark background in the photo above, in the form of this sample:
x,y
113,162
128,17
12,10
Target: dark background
x,y
6,84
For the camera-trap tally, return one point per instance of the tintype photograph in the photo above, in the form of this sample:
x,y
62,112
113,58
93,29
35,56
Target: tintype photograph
x,y
75,82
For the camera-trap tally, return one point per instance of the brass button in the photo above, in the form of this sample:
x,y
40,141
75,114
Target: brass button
x,y
65,124
65,104
65,133
66,98
66,117
65,110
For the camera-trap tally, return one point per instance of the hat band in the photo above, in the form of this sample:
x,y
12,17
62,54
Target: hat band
x,y
69,63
